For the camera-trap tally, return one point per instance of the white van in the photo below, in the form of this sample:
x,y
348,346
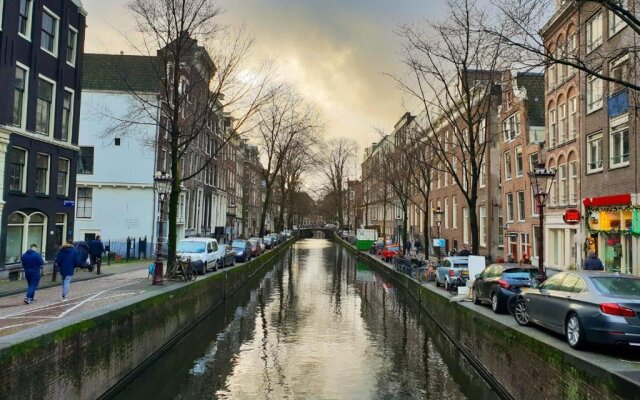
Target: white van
x,y
202,251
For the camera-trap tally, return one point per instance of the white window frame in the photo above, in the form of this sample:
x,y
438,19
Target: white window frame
x,y
66,184
27,37
595,137
562,184
572,126
518,150
510,208
594,42
553,128
23,122
482,218
47,182
562,120
593,103
521,206
56,37
482,180
573,182
75,47
616,24
465,225
446,213
507,166
71,116
621,128
90,217
1,12
23,179
52,114
454,205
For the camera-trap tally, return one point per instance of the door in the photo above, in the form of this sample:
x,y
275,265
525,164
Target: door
x,y
559,300
538,299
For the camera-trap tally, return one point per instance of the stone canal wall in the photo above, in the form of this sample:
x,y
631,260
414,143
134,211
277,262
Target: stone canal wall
x,y
88,357
516,365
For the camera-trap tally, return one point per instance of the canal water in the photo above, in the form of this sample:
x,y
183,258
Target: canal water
x,y
318,325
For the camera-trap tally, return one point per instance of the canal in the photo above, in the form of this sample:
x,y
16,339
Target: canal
x,y
319,325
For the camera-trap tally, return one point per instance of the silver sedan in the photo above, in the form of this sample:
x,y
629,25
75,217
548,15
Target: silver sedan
x,y
585,306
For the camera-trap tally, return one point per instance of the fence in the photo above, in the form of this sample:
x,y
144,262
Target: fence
x,y
128,249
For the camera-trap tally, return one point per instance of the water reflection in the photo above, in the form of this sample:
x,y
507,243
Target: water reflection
x,y
318,325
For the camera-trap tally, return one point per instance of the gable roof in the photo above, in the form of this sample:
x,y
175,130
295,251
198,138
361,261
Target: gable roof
x,y
533,83
121,73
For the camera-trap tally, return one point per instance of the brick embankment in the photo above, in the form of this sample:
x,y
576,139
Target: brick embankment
x,y
520,363
88,354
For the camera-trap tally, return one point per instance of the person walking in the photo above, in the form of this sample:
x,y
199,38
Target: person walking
x,y
592,262
32,262
67,259
96,248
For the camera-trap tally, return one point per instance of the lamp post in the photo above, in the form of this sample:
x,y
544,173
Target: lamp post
x,y
541,182
162,185
438,214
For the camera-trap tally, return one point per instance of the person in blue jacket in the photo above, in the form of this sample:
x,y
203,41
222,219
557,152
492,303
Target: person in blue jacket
x,y
96,248
32,262
68,259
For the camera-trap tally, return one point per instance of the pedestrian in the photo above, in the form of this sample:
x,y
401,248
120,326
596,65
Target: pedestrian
x,y
525,260
592,262
68,259
83,254
416,244
96,248
32,262
510,258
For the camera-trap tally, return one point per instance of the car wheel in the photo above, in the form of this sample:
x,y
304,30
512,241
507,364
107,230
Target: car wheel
x,y
574,332
437,283
476,300
520,313
495,304
446,285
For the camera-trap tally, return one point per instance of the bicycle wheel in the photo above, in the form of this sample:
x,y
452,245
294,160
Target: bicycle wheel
x,y
194,273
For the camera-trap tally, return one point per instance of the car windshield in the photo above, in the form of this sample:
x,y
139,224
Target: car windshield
x,y
458,265
520,273
191,247
239,244
254,240
617,285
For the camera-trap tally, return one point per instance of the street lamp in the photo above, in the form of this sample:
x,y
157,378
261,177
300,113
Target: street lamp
x,y
162,185
541,182
438,214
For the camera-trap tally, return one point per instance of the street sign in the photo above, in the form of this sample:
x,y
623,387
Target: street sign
x,y
439,243
572,216
511,235
68,203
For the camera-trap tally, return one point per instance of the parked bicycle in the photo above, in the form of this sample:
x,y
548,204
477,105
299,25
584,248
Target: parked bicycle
x,y
183,270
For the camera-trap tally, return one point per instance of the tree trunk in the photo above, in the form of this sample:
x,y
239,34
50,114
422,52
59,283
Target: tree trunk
x,y
174,198
405,219
265,207
384,223
425,232
473,225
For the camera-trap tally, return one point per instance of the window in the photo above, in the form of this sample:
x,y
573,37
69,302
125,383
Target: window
x,y
507,166
465,225
573,183
562,120
573,118
551,74
594,152
553,134
616,24
454,202
482,180
19,97
18,170
85,161
571,52
519,163
619,145
84,204
61,229
42,174
533,161
525,244
44,115
23,231
509,207
618,69
594,93
500,228
67,115
24,18
562,184
72,44
49,34
482,213
63,177
446,213
521,213
594,32
536,235
511,127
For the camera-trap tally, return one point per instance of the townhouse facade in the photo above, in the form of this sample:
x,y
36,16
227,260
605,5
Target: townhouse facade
x,y
521,134
41,59
252,193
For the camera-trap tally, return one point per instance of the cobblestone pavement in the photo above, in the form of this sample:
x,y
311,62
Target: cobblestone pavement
x,y
83,296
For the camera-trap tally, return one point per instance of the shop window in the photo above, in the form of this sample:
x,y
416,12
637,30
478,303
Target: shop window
x,y
22,231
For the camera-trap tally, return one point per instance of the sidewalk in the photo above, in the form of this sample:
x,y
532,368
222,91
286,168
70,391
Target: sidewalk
x,y
8,288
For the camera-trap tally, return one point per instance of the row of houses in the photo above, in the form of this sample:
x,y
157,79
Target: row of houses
x,y
68,177
574,123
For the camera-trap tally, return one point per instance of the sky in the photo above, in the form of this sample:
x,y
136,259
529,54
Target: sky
x,y
335,52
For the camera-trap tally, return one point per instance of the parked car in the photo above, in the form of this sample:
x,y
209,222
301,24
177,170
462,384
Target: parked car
x,y
256,248
450,268
201,251
585,307
389,251
497,283
268,242
242,248
227,257
275,239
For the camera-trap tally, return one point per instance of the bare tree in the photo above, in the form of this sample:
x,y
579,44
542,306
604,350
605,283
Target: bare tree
x,y
520,22
337,162
286,125
454,68
204,93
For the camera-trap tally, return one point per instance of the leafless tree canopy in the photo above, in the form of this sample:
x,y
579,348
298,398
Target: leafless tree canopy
x,y
337,167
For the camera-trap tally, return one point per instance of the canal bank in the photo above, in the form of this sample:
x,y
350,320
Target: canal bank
x,y
517,364
83,357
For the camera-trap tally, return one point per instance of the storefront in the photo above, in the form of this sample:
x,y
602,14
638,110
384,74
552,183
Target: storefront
x,y
613,229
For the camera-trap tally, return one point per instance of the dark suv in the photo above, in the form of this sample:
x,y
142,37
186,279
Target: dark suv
x,y
498,282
